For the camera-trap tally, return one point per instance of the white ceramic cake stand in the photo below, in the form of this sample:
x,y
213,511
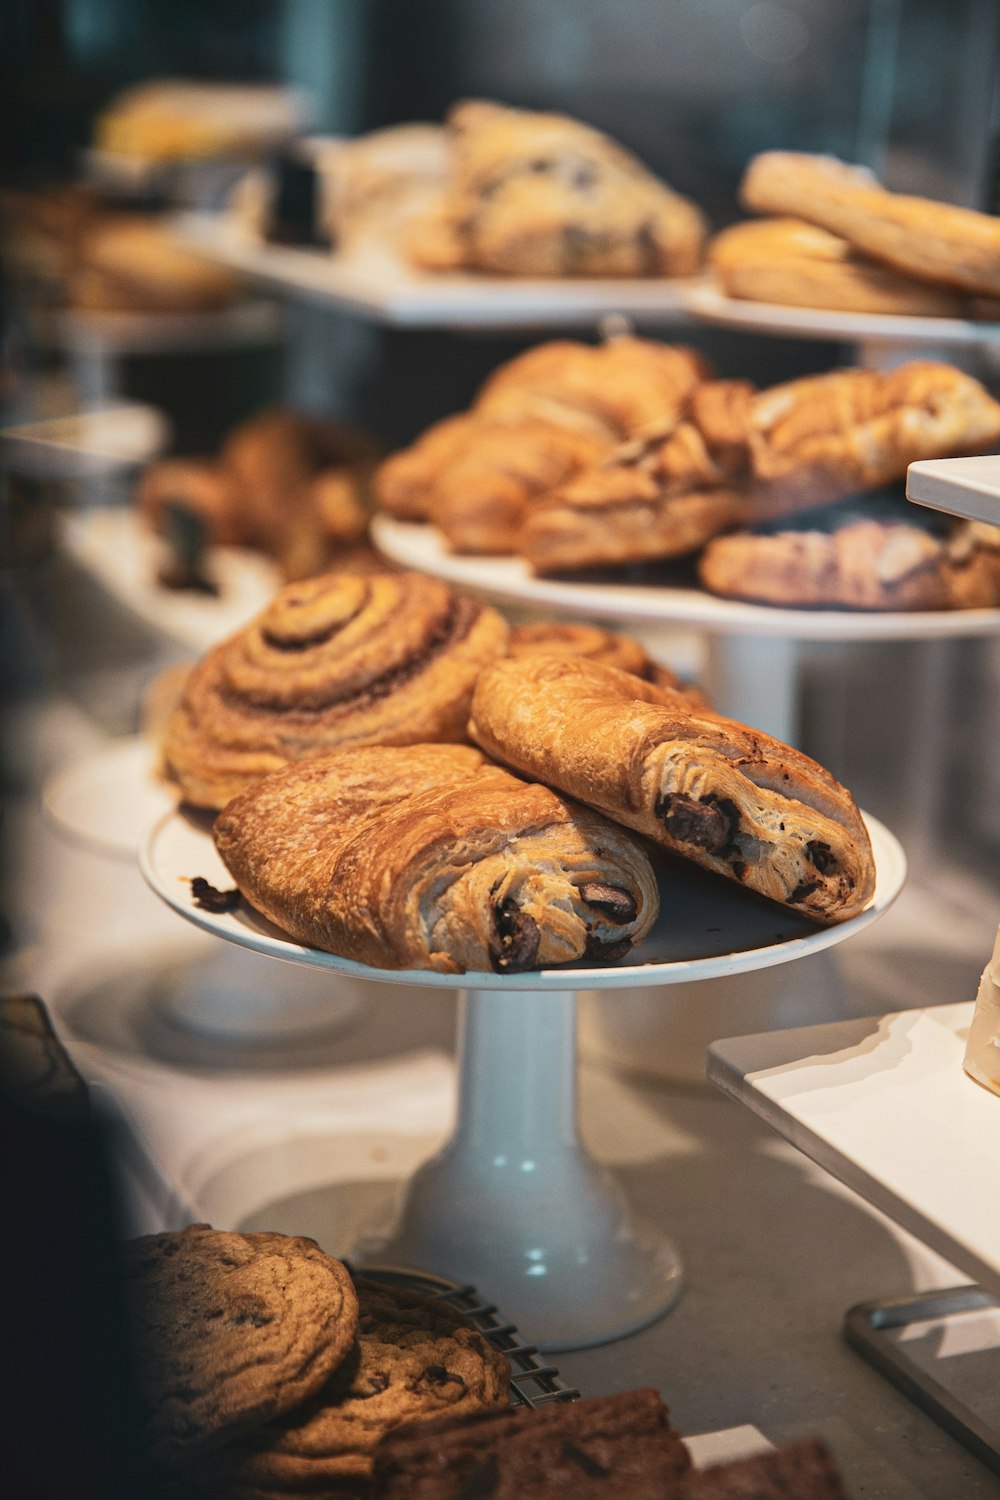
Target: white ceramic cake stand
x,y
513,1203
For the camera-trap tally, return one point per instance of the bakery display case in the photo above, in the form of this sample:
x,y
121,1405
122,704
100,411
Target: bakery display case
x,y
570,324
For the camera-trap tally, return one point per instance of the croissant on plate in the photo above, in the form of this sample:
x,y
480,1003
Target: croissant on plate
x,y
609,647
538,420
431,857
730,798
343,659
544,195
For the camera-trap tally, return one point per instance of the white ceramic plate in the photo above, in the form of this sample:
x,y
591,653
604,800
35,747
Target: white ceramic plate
x,y
105,800
884,1105
707,302
968,487
120,552
708,926
510,579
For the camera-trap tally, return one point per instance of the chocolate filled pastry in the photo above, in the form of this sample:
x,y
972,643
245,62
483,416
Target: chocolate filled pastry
x,y
606,646
787,261
932,241
539,419
730,798
662,494
343,659
825,437
430,857
544,195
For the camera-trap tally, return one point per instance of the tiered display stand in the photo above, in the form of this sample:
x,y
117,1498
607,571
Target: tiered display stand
x,y
514,1202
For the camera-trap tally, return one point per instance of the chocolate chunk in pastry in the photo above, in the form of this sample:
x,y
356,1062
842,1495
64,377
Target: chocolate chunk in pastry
x,y
660,495
337,660
544,195
430,857
937,242
622,1446
730,798
828,436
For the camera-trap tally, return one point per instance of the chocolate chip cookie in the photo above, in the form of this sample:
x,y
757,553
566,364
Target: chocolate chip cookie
x,y
414,1360
232,1330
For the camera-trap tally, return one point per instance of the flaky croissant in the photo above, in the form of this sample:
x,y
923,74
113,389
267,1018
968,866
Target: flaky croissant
x,y
730,798
612,649
338,660
430,857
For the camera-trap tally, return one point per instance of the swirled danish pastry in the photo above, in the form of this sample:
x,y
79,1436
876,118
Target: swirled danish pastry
x,y
730,798
431,857
344,659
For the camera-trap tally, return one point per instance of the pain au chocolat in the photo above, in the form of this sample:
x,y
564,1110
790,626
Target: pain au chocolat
x,y
343,659
430,857
730,798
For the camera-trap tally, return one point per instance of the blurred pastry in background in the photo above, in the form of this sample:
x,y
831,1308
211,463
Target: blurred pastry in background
x,y
545,195
609,647
375,187
790,262
133,263
291,486
40,235
172,119
876,552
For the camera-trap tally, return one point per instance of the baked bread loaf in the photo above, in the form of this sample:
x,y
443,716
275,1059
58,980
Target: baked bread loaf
x,y
342,659
662,494
429,857
605,646
790,262
932,241
538,420
226,1332
858,562
828,436
544,195
414,1361
622,1446
730,798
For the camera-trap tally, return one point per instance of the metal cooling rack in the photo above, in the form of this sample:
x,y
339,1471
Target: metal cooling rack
x,y
533,1382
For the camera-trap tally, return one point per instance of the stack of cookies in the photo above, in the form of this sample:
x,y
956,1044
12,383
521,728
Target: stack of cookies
x,y
266,1370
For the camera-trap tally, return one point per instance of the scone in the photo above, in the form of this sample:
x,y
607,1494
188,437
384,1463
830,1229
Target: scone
x,y
343,659
231,1330
544,195
730,798
790,262
429,857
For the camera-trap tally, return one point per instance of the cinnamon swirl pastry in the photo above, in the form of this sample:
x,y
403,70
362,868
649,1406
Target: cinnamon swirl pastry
x,y
431,857
730,798
343,659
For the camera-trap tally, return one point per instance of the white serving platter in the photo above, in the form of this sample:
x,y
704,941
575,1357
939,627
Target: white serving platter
x,y
707,302
883,1104
510,579
383,287
117,549
707,927
90,444
106,799
968,487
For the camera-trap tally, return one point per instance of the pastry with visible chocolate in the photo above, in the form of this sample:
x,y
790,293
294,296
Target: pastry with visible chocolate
x,y
414,1361
344,659
231,1330
660,495
732,799
621,1446
430,857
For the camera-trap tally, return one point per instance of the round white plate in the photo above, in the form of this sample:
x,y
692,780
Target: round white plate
x,y
106,799
103,440
121,553
707,926
707,302
510,579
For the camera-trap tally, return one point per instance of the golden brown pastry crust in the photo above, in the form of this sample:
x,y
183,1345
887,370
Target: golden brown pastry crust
x,y
790,262
936,242
544,195
130,263
827,436
198,486
660,495
730,798
606,646
430,857
539,419
861,565
338,660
